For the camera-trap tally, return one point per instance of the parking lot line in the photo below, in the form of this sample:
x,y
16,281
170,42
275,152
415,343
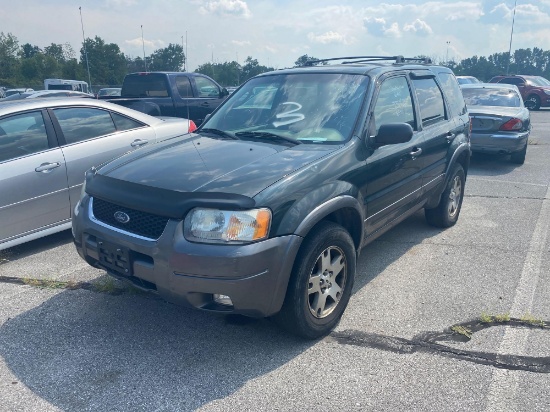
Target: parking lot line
x,y
504,382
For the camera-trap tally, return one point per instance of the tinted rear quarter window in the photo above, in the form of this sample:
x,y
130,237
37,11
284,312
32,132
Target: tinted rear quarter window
x,y
452,91
125,123
430,100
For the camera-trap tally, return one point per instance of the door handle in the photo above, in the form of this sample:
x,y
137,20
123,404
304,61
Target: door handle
x,y
47,167
205,104
139,142
417,151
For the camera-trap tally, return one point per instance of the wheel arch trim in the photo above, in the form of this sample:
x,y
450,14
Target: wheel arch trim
x,y
325,209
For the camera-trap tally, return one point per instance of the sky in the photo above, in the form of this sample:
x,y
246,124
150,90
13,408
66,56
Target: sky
x,y
277,32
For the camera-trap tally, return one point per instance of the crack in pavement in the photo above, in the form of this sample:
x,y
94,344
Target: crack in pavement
x,y
426,342
429,342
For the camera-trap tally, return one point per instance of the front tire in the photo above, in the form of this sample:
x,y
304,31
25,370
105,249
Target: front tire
x,y
321,282
445,214
535,102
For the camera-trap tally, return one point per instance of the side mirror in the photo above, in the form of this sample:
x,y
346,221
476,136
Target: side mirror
x,y
393,133
224,92
207,117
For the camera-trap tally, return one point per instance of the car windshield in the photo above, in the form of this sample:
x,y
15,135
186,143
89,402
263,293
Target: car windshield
x,y
491,97
539,81
308,108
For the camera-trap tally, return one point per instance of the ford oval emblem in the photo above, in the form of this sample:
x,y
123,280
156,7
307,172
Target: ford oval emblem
x,y
121,217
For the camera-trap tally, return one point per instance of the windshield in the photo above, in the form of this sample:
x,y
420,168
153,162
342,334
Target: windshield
x,y
491,97
308,108
538,81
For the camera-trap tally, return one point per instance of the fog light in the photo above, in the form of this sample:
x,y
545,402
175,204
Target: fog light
x,y
222,299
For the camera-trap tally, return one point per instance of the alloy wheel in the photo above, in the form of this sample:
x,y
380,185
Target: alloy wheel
x,y
327,282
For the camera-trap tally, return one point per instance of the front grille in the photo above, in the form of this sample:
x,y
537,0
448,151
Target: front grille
x,y
140,223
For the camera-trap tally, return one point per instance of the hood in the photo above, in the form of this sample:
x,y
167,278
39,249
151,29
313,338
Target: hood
x,y
195,163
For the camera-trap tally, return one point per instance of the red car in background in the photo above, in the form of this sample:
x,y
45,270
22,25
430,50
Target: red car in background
x,y
535,90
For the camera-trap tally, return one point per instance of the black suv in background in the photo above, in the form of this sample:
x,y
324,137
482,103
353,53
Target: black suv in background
x,y
265,208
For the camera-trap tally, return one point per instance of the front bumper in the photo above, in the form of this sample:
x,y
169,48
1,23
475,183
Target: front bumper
x,y
503,143
255,276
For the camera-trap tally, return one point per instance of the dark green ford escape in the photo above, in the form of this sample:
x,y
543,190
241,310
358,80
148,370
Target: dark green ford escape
x,y
265,208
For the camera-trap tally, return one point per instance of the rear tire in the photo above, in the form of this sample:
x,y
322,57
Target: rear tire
x,y
519,157
320,286
445,214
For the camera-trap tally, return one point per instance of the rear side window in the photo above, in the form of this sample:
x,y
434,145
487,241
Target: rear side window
x,y
430,100
146,85
184,86
453,93
125,123
83,123
21,135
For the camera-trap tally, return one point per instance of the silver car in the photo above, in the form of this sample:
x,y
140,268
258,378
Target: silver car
x,y
46,145
500,121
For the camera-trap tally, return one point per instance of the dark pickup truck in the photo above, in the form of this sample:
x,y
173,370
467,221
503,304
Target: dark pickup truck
x,y
175,94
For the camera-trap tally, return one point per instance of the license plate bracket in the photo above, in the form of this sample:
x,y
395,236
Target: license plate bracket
x,y
114,257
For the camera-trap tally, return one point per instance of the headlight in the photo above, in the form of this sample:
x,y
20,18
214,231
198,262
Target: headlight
x,y
547,91
222,226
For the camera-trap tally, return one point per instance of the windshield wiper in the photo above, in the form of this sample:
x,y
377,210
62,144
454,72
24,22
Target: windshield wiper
x,y
266,135
220,133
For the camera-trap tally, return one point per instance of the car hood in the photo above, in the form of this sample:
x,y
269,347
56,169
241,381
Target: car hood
x,y
196,163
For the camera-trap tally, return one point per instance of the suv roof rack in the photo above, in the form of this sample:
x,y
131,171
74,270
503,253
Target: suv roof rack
x,y
364,59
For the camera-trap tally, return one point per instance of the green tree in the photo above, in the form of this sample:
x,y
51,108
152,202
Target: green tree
x,y
169,58
107,62
226,74
55,51
302,60
252,68
9,63
134,65
28,51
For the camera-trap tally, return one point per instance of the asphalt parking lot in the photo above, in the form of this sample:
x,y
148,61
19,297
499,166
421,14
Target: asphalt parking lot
x,y
439,321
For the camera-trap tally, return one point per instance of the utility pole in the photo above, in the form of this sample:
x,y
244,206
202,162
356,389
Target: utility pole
x,y
182,53
143,44
511,35
85,51
447,58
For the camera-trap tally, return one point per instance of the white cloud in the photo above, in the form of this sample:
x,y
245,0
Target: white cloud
x,y
393,31
236,8
328,37
379,27
150,45
419,27
375,26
